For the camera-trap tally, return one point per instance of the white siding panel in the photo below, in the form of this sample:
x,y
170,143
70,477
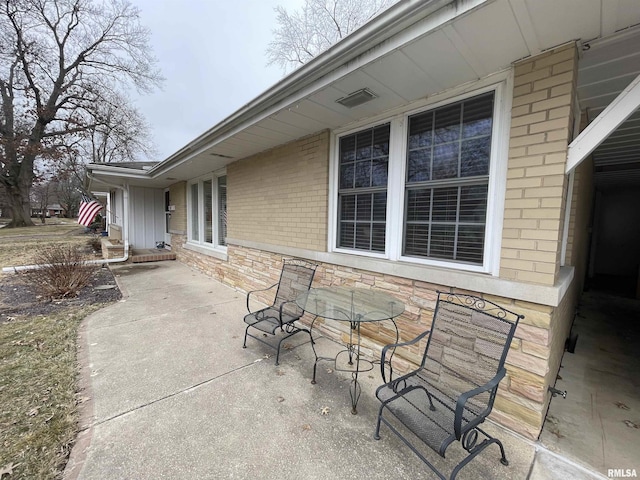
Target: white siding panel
x,y
571,19
436,55
484,34
147,216
406,78
119,208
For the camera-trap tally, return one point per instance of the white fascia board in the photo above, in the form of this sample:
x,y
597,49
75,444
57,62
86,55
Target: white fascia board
x,y
621,108
388,32
110,170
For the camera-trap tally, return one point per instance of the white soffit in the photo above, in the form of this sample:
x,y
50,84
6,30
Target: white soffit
x,y
607,67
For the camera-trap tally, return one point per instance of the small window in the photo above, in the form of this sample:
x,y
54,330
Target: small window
x,y
222,210
195,217
362,196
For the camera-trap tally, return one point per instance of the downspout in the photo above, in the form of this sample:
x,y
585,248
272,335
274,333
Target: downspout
x,y
125,234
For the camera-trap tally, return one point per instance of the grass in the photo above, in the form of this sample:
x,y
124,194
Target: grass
x,y
38,401
38,368
18,245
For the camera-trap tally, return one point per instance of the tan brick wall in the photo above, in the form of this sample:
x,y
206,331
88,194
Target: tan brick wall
x,y
540,131
522,397
280,196
178,198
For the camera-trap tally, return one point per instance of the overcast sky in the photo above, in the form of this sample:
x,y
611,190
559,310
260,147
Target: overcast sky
x,y
212,54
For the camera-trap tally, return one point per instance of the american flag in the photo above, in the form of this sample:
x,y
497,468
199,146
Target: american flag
x,y
89,208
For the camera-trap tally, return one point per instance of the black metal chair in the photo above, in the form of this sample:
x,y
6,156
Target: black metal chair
x,y
453,390
281,315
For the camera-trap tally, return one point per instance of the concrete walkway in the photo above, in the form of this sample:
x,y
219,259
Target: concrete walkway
x,y
171,393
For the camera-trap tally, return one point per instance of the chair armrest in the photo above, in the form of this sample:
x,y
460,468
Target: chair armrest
x,y
255,291
464,397
287,302
396,345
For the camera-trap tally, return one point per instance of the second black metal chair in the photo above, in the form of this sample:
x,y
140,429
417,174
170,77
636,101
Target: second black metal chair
x,y
296,278
452,392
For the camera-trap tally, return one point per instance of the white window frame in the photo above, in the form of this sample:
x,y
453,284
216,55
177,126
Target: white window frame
x,y
200,241
502,84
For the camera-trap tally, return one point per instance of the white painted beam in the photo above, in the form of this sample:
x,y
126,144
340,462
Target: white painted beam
x,y
621,108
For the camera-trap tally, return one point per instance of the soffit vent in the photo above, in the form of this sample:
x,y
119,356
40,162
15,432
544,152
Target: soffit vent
x,y
357,98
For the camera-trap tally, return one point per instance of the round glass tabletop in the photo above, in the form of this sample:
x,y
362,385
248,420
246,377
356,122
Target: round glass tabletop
x,y
350,304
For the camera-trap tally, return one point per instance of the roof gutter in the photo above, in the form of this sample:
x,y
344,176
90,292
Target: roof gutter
x,y
366,37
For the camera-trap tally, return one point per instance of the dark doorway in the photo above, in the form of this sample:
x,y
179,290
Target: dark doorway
x,y
614,264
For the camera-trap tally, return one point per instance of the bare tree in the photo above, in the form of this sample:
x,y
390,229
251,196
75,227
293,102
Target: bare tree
x,y
67,184
303,34
61,61
119,133
41,195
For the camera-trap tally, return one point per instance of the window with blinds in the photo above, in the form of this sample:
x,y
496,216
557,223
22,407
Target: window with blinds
x,y
222,210
362,193
207,216
447,179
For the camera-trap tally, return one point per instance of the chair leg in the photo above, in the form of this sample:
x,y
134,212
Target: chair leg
x,y
246,331
376,435
479,448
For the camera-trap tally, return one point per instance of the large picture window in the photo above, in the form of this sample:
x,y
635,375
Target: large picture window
x,y
418,187
448,154
208,211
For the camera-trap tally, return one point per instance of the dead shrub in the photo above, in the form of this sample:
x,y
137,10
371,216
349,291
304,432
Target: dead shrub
x,y
62,271
95,244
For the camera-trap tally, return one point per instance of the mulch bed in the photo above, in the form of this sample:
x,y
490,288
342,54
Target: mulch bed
x,y
19,298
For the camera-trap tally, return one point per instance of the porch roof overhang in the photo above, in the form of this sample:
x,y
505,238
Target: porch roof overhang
x,y
414,50
609,94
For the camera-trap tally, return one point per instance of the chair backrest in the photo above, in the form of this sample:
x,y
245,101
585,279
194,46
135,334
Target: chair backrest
x,y
469,341
296,278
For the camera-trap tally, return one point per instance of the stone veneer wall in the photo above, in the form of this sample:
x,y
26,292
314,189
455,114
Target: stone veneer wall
x,y
522,398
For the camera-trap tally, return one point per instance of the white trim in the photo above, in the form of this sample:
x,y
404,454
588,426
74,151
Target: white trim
x,y
395,187
205,249
502,84
498,171
567,218
621,108
458,279
577,114
213,178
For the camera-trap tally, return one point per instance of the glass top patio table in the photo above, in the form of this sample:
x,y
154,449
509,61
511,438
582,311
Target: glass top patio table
x,y
350,304
356,306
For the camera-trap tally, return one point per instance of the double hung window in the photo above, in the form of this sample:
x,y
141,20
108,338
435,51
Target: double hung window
x,y
432,169
362,195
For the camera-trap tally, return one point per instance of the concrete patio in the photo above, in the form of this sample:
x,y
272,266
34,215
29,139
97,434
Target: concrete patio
x,y
171,393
